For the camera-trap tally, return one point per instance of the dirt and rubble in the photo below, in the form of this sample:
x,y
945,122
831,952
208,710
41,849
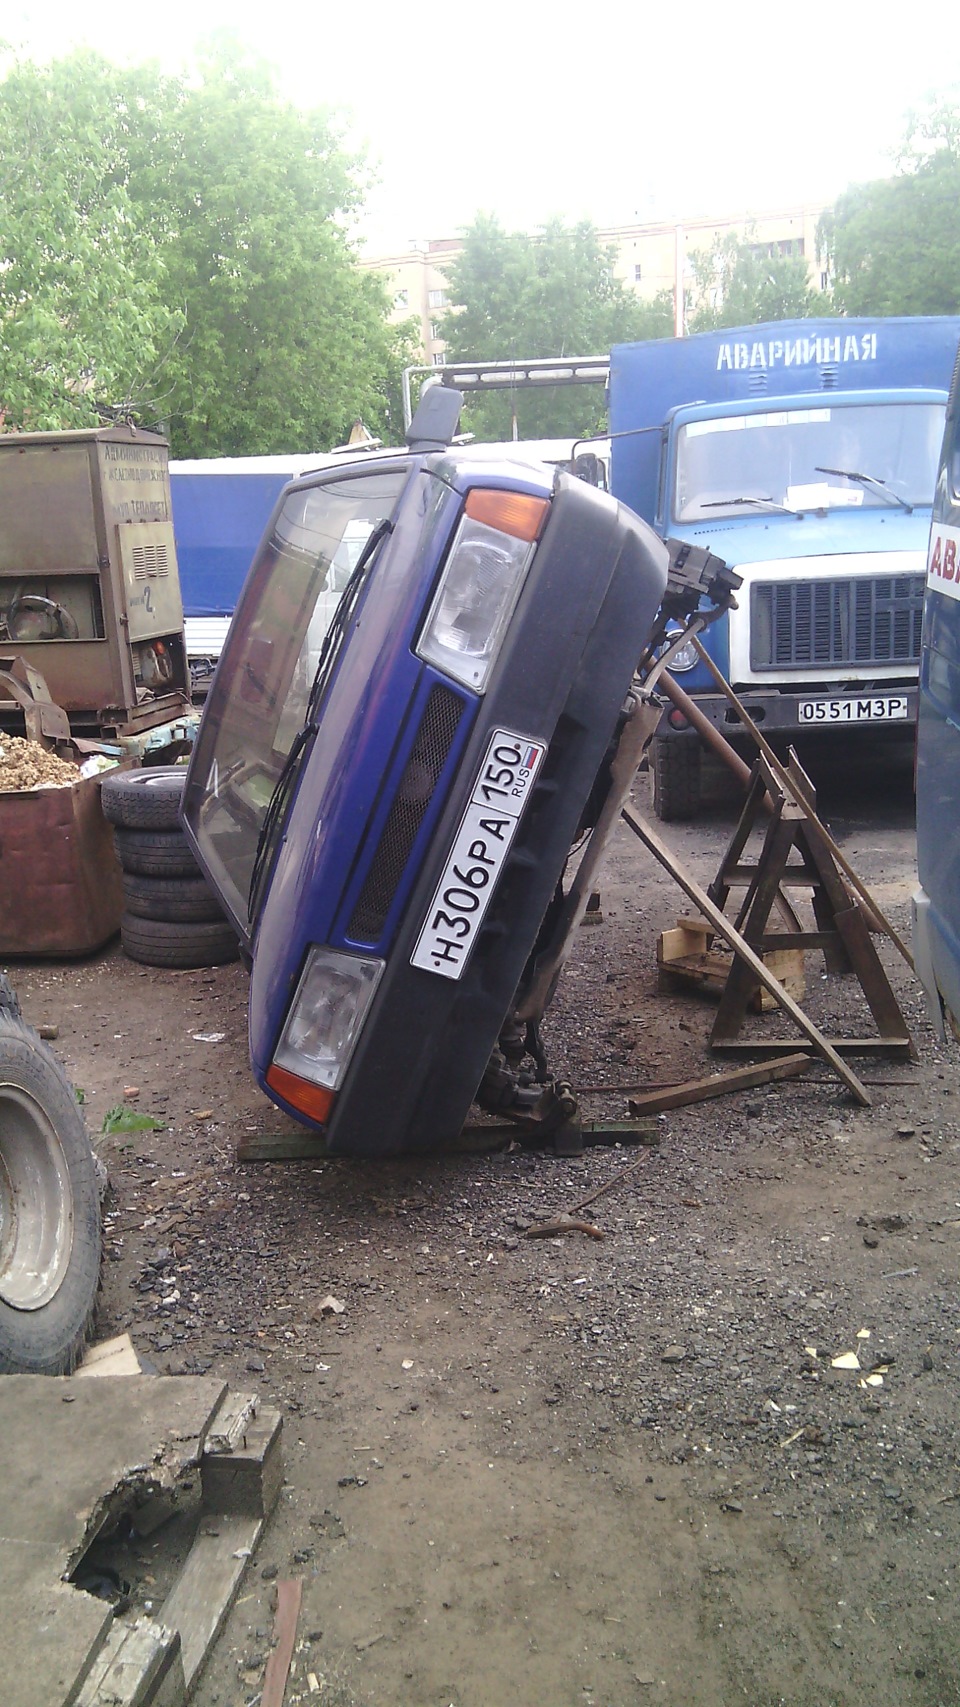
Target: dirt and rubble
x,y
27,764
571,1471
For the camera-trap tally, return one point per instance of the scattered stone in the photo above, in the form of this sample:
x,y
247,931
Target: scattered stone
x,y
673,1354
871,1241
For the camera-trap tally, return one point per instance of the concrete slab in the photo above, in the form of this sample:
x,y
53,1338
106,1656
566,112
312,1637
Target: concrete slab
x,y
50,1633
72,1453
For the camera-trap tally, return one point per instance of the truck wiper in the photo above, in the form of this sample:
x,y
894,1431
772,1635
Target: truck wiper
x,y
283,789
758,503
871,480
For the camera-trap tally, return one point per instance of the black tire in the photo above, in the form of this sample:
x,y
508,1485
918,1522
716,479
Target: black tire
x,y
157,942
9,1000
676,777
170,899
144,799
50,1239
161,853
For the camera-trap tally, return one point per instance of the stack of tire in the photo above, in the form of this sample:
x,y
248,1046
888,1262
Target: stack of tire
x,y
170,916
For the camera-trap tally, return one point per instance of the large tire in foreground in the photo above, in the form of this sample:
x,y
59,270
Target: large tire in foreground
x,y
676,776
172,899
144,799
159,853
50,1240
155,942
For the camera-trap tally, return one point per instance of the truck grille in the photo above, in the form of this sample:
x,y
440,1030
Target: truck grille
x,y
799,625
438,727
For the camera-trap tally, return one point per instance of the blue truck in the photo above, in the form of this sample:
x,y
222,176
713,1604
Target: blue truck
x,y
406,735
221,506
936,905
804,454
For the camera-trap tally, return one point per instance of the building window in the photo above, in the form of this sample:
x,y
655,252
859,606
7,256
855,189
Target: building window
x,y
438,358
824,281
637,272
435,332
402,299
437,299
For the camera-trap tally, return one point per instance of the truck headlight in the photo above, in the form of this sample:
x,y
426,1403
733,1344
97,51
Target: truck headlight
x,y
685,656
481,583
327,1015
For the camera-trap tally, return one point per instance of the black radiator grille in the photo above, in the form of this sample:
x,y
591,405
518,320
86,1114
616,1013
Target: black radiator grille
x,y
873,620
438,726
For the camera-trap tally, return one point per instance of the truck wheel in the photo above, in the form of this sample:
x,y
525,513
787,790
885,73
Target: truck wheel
x,y
49,1210
163,853
157,942
676,777
171,899
145,799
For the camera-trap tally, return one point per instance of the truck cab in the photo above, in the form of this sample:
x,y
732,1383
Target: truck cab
x,y
421,683
804,455
936,905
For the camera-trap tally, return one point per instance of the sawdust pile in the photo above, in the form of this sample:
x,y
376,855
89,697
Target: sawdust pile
x,y
25,764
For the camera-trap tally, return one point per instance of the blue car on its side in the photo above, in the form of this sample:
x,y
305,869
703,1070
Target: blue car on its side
x,y
421,683
936,905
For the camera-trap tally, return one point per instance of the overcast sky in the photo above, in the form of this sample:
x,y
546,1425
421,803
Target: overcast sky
x,y
528,110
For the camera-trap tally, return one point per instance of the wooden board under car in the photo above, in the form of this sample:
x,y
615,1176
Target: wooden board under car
x,y
686,955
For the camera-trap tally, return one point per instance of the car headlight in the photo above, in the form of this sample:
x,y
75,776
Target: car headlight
x,y
327,1015
481,583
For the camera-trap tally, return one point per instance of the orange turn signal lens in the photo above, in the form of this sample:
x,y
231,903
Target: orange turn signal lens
x,y
315,1101
515,513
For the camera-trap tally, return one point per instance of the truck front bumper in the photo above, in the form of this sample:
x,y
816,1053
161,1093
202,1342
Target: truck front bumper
x,y
782,713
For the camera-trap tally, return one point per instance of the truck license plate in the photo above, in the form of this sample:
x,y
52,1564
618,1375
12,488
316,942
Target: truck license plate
x,y
480,848
879,708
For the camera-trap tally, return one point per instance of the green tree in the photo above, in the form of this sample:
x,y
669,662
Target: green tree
x,y
222,253
893,245
737,283
286,340
519,297
84,317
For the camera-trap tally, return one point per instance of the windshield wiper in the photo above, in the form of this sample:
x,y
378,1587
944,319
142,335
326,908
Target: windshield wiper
x,y
758,503
283,789
871,480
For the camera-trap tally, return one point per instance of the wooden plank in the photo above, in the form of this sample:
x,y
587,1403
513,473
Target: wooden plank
x,y
718,1084
289,1594
139,1665
228,1428
898,1047
247,1482
724,928
203,1594
280,1147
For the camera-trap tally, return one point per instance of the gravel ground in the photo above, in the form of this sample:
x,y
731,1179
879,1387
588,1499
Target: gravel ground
x,y
571,1470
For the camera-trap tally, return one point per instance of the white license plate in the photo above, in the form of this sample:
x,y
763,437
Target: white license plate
x,y
480,848
876,708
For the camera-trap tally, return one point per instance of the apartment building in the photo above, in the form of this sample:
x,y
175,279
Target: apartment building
x,y
648,258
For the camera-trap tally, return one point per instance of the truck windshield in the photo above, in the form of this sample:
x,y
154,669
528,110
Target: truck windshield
x,y
867,456
259,701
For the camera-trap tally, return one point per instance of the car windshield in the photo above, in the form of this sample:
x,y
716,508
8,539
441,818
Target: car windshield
x,y
259,701
867,456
